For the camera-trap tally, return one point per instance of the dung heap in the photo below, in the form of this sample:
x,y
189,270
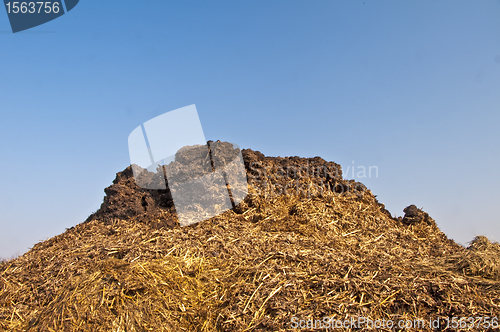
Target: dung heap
x,y
304,244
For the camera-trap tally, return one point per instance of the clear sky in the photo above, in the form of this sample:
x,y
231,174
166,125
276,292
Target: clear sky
x,y
412,87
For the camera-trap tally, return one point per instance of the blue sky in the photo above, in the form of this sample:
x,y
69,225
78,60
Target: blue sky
x,y
409,87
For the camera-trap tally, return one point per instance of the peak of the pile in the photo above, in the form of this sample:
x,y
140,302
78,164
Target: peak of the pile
x,y
129,199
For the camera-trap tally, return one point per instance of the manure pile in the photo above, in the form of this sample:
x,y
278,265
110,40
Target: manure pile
x,y
304,244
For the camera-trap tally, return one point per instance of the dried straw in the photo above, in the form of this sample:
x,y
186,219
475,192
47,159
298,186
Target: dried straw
x,y
252,268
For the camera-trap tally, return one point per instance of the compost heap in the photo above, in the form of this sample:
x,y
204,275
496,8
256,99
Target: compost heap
x,y
304,243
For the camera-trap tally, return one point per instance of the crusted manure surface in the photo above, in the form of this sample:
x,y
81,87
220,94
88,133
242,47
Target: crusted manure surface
x,y
272,258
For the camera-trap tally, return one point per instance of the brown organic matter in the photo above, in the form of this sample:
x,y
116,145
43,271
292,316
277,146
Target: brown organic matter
x,y
304,243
